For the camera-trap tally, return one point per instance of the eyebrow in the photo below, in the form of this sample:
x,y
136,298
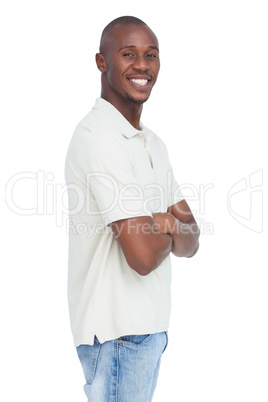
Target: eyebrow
x,y
133,46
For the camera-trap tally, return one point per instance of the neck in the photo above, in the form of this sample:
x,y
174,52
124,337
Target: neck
x,y
130,110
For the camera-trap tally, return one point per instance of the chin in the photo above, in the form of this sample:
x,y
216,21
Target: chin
x,y
137,101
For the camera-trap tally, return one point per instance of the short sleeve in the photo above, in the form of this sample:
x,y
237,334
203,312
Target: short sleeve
x,y
111,180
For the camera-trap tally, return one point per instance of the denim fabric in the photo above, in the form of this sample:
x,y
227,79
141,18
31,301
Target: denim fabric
x,y
122,370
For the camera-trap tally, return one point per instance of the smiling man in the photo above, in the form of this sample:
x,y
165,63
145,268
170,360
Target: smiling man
x,y
126,216
122,77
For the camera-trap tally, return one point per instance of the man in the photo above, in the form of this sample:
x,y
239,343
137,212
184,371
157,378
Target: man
x,y
126,216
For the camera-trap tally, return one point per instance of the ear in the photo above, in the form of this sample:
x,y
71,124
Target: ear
x,y
100,61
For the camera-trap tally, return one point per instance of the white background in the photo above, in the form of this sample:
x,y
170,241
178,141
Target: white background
x,y
210,107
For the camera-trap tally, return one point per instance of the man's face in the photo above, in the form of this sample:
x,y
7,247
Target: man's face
x,y
132,62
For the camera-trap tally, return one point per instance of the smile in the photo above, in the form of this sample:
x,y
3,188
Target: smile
x,y
139,81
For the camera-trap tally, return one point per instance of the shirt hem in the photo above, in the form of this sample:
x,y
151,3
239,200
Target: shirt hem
x,y
88,339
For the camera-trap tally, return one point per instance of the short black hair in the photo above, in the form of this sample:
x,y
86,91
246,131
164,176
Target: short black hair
x,y
125,20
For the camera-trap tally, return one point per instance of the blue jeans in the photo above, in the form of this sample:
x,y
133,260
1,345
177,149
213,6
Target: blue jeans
x,y
122,370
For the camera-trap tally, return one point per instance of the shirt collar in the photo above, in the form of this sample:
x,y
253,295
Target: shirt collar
x,y
126,129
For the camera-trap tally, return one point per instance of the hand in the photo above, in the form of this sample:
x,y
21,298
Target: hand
x,y
164,222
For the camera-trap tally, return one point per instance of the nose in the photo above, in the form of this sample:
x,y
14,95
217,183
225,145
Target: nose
x,y
141,63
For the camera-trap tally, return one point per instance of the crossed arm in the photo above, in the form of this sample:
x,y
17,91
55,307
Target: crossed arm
x,y
147,241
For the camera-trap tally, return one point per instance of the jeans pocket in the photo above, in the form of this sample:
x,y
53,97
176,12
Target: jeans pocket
x,y
135,339
88,355
166,334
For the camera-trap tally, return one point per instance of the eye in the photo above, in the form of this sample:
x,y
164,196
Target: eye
x,y
128,55
151,55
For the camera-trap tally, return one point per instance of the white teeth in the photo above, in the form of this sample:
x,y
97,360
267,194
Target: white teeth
x,y
139,81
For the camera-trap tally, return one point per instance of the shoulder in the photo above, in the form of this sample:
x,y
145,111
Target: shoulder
x,y
97,145
94,133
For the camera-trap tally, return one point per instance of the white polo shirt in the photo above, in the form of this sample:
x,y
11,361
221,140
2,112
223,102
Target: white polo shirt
x,y
113,172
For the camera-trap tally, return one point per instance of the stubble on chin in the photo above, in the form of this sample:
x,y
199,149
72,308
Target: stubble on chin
x,y
136,101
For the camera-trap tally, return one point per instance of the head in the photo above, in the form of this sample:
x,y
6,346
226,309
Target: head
x,y
128,60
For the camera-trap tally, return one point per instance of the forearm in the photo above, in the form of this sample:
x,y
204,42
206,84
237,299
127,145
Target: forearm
x,y
185,239
153,248
143,246
161,247
184,235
